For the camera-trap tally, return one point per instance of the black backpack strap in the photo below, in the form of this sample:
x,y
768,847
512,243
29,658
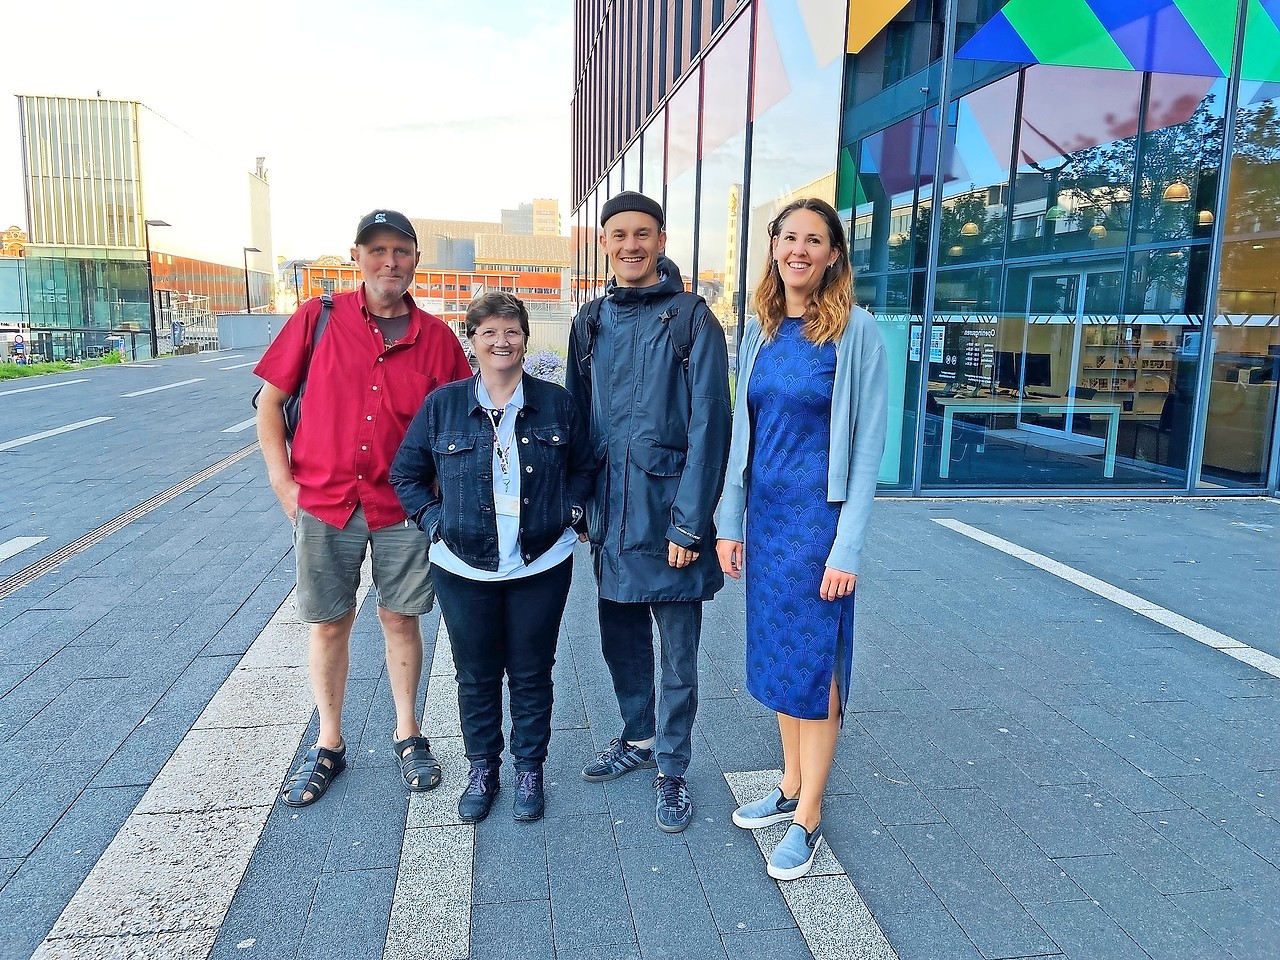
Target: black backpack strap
x,y
326,307
682,324
585,334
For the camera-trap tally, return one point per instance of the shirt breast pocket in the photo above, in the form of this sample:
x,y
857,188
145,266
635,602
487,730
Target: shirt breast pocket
x,y
405,391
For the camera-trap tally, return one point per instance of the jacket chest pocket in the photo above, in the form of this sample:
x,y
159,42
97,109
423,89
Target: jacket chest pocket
x,y
551,444
455,456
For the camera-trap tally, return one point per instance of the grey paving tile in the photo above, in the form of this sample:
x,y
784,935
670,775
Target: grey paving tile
x,y
588,898
1239,817
1082,929
334,930
928,935
594,951
671,913
1254,878
510,862
1005,850
882,873
1249,931
1046,814
985,910
512,931
788,942
273,902
1140,910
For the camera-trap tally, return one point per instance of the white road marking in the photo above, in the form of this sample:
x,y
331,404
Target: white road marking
x,y
234,356
43,386
11,548
237,366
832,916
1152,611
242,425
167,386
53,433
178,859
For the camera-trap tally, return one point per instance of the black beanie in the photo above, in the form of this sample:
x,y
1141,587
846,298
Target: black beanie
x,y
630,200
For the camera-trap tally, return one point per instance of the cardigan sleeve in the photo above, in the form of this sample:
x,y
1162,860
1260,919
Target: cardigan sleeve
x,y
731,513
870,422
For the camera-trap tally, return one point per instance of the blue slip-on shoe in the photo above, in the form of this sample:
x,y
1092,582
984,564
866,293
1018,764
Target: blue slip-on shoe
x,y
675,806
482,790
793,857
530,799
768,810
620,758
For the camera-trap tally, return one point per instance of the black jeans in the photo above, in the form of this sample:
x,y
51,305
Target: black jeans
x,y
626,639
511,627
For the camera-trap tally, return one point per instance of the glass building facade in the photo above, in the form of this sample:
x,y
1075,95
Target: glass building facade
x,y
86,271
1067,231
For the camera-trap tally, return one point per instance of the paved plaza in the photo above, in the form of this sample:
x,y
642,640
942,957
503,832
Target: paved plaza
x,y
1063,736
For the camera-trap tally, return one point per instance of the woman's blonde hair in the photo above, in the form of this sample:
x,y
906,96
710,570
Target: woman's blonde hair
x,y
827,313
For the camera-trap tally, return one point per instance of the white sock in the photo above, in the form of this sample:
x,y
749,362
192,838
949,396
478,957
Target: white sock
x,y
643,744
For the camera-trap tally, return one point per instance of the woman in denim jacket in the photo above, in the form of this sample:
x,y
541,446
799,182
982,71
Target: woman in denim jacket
x,y
496,470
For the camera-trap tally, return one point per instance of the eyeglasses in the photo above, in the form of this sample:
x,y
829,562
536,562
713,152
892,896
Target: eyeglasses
x,y
494,336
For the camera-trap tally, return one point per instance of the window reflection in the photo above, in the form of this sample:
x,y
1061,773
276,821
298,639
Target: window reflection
x,y
682,173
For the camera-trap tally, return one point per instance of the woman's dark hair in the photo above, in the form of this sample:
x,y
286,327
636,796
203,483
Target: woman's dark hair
x,y
828,310
497,303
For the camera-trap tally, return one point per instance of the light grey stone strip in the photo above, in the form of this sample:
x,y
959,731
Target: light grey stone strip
x,y
831,914
164,885
431,909
1152,611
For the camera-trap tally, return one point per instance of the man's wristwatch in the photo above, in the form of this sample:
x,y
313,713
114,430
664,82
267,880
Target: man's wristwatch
x,y
575,515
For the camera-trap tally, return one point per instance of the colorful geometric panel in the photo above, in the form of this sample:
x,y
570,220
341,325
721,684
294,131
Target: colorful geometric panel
x,y
1190,37
867,18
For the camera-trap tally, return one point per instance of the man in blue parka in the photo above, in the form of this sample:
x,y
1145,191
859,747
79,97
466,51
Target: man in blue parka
x,y
648,361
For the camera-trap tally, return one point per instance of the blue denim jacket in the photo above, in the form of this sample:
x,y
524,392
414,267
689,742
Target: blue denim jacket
x,y
443,472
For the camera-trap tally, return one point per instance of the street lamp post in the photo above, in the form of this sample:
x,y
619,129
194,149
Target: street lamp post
x,y
151,290
297,290
248,304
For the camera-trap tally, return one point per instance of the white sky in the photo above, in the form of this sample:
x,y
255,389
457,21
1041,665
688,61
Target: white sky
x,y
440,109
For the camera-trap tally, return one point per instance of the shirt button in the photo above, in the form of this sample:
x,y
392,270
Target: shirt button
x,y
524,439
554,438
452,445
364,448
526,499
375,388
528,469
368,418
380,360
359,476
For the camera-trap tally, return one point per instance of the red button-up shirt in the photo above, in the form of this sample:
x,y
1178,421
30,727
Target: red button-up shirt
x,y
360,399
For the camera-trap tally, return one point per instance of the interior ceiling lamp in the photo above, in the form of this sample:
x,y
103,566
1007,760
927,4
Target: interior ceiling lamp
x,y
895,239
1205,218
956,251
1097,231
970,229
1056,212
1177,192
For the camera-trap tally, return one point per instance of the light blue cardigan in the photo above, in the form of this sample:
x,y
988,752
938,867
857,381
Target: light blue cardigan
x,y
858,420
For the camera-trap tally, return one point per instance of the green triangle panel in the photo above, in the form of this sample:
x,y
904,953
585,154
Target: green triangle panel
x,y
1066,32
1214,22
1261,46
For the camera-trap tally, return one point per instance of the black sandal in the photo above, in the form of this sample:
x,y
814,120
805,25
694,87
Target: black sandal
x,y
313,776
417,764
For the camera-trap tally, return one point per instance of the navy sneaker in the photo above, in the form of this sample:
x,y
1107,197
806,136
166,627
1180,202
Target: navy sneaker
x,y
482,790
793,857
675,806
530,800
620,758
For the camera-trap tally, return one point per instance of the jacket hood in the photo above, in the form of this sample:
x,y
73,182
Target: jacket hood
x,y
669,282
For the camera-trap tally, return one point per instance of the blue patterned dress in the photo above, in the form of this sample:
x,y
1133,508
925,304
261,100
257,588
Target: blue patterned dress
x,y
796,640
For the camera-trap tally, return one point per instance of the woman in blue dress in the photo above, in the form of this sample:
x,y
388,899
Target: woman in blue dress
x,y
808,434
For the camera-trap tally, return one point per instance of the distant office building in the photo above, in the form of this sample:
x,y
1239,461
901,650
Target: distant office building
x,y
13,242
1069,231
541,218
106,183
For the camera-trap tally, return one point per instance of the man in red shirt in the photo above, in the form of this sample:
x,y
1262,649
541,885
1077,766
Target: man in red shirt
x,y
375,362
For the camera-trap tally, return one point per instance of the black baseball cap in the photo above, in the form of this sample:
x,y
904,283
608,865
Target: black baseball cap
x,y
393,219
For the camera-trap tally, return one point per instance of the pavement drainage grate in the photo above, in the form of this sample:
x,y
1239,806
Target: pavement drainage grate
x,y
63,554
